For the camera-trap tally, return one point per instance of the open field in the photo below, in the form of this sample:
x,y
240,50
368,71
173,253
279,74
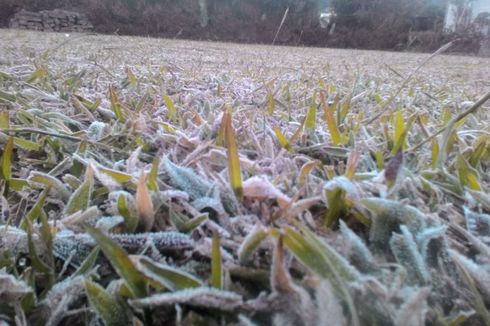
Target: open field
x,y
167,182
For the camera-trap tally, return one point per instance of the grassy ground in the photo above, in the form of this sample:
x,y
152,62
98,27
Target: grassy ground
x,y
163,181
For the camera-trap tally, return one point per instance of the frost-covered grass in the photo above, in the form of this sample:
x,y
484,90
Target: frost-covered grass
x,y
164,182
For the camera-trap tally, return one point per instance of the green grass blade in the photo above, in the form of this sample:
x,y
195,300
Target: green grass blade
x,y
216,268
121,262
6,161
50,181
112,312
251,242
88,263
80,199
153,176
165,275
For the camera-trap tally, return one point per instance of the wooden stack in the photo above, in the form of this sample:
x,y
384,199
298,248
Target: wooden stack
x,y
51,21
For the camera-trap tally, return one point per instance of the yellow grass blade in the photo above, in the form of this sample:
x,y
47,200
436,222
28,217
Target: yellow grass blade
x,y
435,153
468,176
172,112
306,169
311,115
332,126
271,103
216,267
297,133
153,177
350,170
220,140
282,139
233,159
4,120
115,105
7,160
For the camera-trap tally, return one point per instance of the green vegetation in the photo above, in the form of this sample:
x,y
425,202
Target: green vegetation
x,y
153,182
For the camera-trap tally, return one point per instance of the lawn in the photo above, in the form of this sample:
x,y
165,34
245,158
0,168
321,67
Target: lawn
x,y
154,181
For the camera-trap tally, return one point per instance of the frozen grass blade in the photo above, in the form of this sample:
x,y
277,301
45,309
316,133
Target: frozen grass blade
x,y
311,115
172,112
6,162
405,82
112,312
282,140
216,267
130,220
234,171
468,176
454,121
323,261
297,134
89,262
332,126
280,25
80,199
144,203
153,176
251,242
118,176
120,261
306,170
167,276
50,181
116,105
108,112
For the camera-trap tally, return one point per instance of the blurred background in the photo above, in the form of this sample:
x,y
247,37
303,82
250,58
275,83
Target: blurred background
x,y
414,25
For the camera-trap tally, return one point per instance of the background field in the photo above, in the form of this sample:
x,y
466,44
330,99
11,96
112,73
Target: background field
x,y
322,136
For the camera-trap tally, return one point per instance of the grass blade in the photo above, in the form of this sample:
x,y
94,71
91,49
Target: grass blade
x,y
311,115
172,112
468,176
121,262
332,126
146,213
251,243
80,199
234,170
167,276
216,269
112,312
116,105
50,181
282,140
6,161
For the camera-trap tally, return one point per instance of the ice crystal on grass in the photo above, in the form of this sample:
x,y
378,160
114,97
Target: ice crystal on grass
x,y
185,179
201,297
478,225
388,215
407,253
433,246
12,289
55,306
358,253
346,199
413,311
